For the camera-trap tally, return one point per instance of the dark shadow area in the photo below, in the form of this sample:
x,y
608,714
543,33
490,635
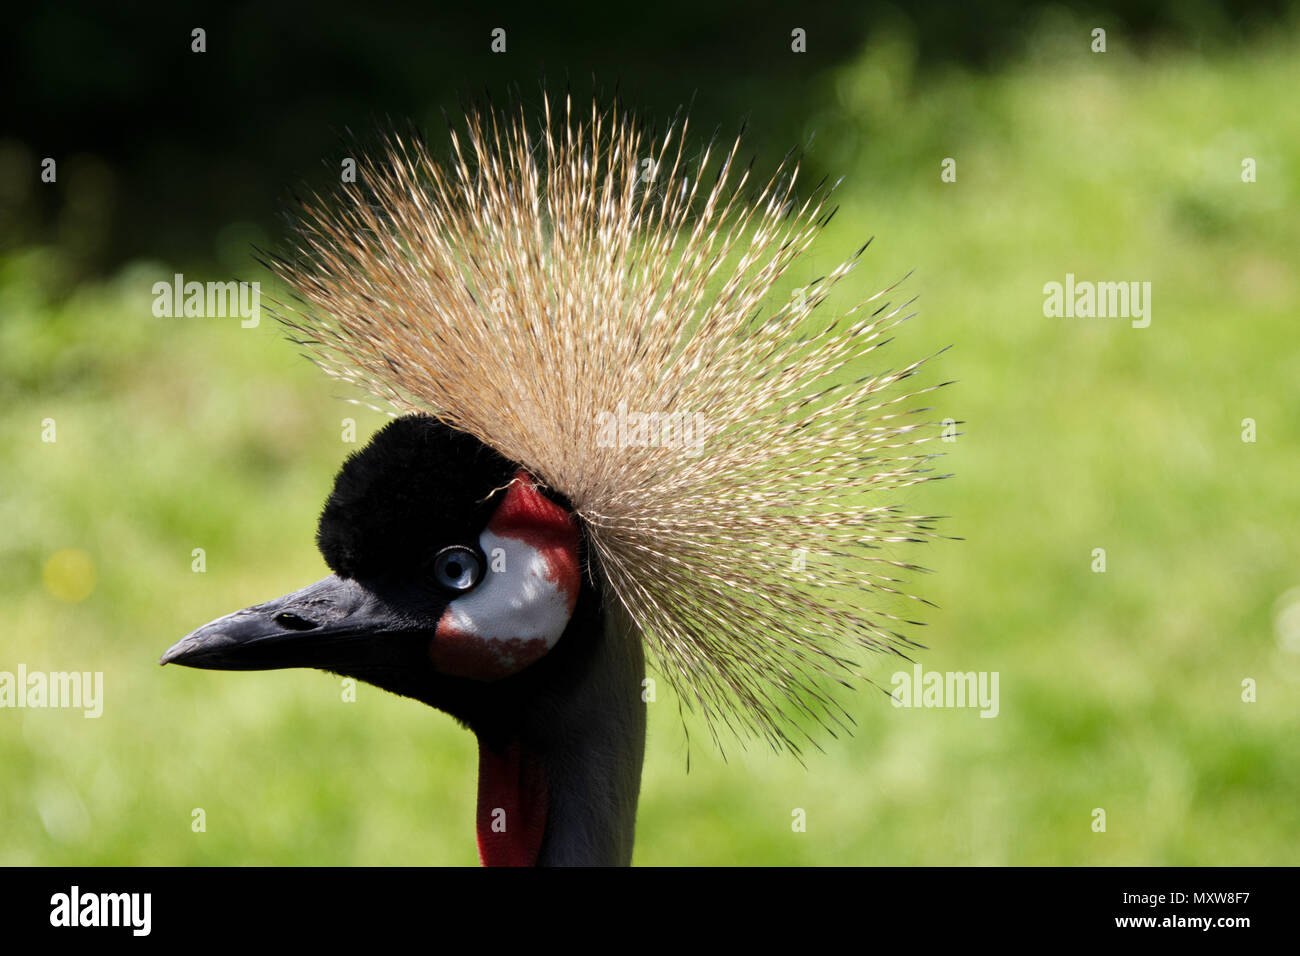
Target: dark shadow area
x,y
159,147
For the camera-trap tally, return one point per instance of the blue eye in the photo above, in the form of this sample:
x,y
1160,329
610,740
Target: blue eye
x,y
457,568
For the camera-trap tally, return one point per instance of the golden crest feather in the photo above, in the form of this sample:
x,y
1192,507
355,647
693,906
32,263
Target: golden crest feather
x,y
534,288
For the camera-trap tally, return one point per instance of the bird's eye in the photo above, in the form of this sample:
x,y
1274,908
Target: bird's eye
x,y
457,568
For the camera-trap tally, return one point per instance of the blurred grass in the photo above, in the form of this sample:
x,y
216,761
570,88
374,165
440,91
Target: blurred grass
x,y
1119,690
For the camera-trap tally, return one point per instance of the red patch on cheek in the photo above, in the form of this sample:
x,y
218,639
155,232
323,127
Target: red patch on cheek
x,y
467,655
527,515
531,517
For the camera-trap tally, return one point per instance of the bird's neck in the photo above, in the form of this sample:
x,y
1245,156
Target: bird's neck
x,y
563,791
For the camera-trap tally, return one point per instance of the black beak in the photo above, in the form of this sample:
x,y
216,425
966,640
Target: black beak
x,y
332,625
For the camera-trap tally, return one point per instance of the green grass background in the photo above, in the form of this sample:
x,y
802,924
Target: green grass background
x,y
1120,691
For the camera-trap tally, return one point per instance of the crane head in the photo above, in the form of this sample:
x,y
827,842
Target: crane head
x,y
455,576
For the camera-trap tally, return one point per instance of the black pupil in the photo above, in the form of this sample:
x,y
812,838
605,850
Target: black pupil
x,y
458,568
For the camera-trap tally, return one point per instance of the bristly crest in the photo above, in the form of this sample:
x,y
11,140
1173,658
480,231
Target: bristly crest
x,y
533,285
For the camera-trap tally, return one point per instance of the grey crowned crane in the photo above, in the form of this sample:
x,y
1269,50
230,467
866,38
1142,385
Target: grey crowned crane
x,y
608,448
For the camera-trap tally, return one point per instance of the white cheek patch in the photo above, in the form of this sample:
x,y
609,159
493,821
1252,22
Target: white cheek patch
x,y
517,613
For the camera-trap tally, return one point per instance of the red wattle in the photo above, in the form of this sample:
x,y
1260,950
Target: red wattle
x,y
511,815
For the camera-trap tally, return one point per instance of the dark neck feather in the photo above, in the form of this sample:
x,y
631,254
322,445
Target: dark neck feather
x,y
582,739
594,757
